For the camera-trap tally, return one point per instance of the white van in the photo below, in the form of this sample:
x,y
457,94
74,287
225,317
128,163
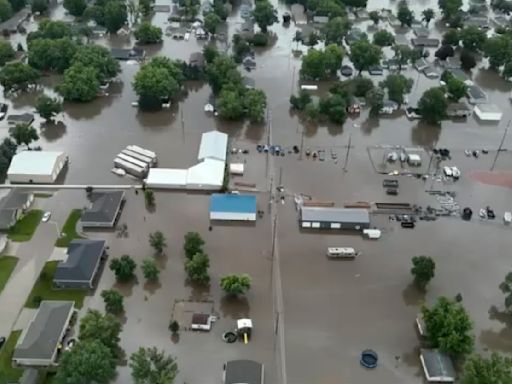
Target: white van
x,y
339,252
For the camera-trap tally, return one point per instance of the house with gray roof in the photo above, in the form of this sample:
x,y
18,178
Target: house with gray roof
x,y
334,218
30,376
420,42
81,267
13,206
104,210
476,95
40,342
243,372
24,118
437,366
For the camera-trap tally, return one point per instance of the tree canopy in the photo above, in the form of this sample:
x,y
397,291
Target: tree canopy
x,y
6,52
473,38
320,65
397,86
197,268
264,14
148,34
255,104
506,288
499,50
39,6
451,37
113,301
157,241
75,7
456,88
123,268
404,14
432,105
114,15
222,71
467,60
235,284
383,38
150,270
193,244
48,107
496,369
211,22
335,29
104,328
51,29
51,54
449,8
23,134
5,10
99,58
151,366
423,270
449,327
18,77
80,83
427,15
364,55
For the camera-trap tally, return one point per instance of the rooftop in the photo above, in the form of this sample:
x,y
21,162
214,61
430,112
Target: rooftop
x,y
213,145
41,338
105,206
437,365
232,203
352,215
83,256
15,199
26,118
244,371
34,163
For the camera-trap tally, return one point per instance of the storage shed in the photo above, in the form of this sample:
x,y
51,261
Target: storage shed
x,y
167,178
207,175
232,207
40,167
488,112
438,366
214,145
334,218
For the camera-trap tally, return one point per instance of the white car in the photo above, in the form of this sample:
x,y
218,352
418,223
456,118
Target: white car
x,y
455,172
46,217
448,171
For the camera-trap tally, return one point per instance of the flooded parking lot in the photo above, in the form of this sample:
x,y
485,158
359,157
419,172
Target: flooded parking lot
x,y
332,310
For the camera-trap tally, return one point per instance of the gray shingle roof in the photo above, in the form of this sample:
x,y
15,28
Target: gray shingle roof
x,y
244,371
105,206
437,365
15,199
7,218
42,336
83,256
335,215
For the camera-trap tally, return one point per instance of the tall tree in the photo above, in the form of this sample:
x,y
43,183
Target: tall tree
x,y
383,38
403,54
51,54
449,327
449,8
193,244
157,241
374,16
211,22
75,7
197,268
99,58
230,104
335,29
150,270
235,284
404,14
451,37
148,34
432,105
499,50
6,52
5,10
375,100
264,14
39,6
123,268
222,71
151,366
255,104
80,83
423,270
23,134
17,77
456,88
473,38
467,60
115,15
364,55
104,328
495,369
152,84
113,301
48,107
506,288
427,15
397,86
87,362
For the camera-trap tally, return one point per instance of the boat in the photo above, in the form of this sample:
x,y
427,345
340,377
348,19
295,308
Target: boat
x,y
118,171
507,217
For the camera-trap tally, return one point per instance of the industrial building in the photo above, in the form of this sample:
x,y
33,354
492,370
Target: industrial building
x,y
207,174
334,218
40,167
232,207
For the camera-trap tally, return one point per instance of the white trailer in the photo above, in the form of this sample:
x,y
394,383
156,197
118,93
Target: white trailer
x,y
133,160
130,168
138,156
143,151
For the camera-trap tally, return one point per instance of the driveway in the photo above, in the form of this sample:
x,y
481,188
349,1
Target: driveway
x,y
32,256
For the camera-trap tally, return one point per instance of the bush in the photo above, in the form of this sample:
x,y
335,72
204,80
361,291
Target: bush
x,y
259,40
36,300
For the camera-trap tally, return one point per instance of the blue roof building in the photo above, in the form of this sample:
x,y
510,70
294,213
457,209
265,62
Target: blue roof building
x,y
232,207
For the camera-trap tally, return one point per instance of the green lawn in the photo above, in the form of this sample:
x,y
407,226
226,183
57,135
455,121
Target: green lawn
x,y
7,265
69,230
8,374
25,228
44,289
43,195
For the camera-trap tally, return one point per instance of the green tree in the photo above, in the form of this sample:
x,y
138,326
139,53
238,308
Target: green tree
x,y
299,102
499,50
99,58
506,288
6,52
359,86
383,38
432,105
507,70
150,270
48,107
403,54
197,268
5,10
113,301
333,56
51,54
473,38
230,104
449,327
313,65
264,14
115,15
80,83
18,77
335,108
103,328
123,268
211,22
427,15
364,55
193,244
423,270
330,8
496,369
397,86
210,52
449,8
51,29
152,84
255,104
145,7
149,197
355,3
174,327
148,34
374,16
335,29
456,88
23,134
222,71
151,366
75,7
467,60
87,362
404,14
189,8
157,241
235,284
451,37
375,100
39,6
312,111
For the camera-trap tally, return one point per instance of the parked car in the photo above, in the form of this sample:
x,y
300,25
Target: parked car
x,y
46,217
448,171
455,172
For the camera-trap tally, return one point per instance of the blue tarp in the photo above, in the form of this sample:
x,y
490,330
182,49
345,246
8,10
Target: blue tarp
x,y
232,203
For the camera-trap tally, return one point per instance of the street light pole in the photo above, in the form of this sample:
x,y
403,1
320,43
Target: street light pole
x,y
500,147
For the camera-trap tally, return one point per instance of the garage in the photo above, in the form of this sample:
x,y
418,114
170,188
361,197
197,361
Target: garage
x,y
488,112
334,218
38,167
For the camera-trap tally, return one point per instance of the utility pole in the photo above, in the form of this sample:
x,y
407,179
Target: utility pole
x,y
348,152
182,122
301,143
500,147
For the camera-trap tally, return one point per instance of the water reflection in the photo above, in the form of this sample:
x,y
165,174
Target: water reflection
x,y
235,307
413,296
426,135
53,131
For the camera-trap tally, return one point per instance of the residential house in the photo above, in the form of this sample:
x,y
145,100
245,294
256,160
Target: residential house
x,y
134,53
320,19
24,118
80,268
14,24
40,342
298,14
376,70
243,371
104,210
458,110
459,74
13,206
481,22
355,34
421,31
420,42
388,107
421,64
431,72
334,218
476,95
437,366
196,59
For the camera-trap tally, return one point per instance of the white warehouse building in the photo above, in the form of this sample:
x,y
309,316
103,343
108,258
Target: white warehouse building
x,y
38,167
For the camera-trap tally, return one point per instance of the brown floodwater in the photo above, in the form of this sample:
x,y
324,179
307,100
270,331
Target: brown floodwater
x,y
332,310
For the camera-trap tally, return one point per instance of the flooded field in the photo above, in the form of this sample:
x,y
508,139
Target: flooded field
x,y
331,310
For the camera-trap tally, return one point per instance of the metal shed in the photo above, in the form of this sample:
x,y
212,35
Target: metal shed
x,y
334,218
438,366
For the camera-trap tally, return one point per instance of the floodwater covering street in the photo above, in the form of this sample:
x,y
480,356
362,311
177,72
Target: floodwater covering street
x,y
316,313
